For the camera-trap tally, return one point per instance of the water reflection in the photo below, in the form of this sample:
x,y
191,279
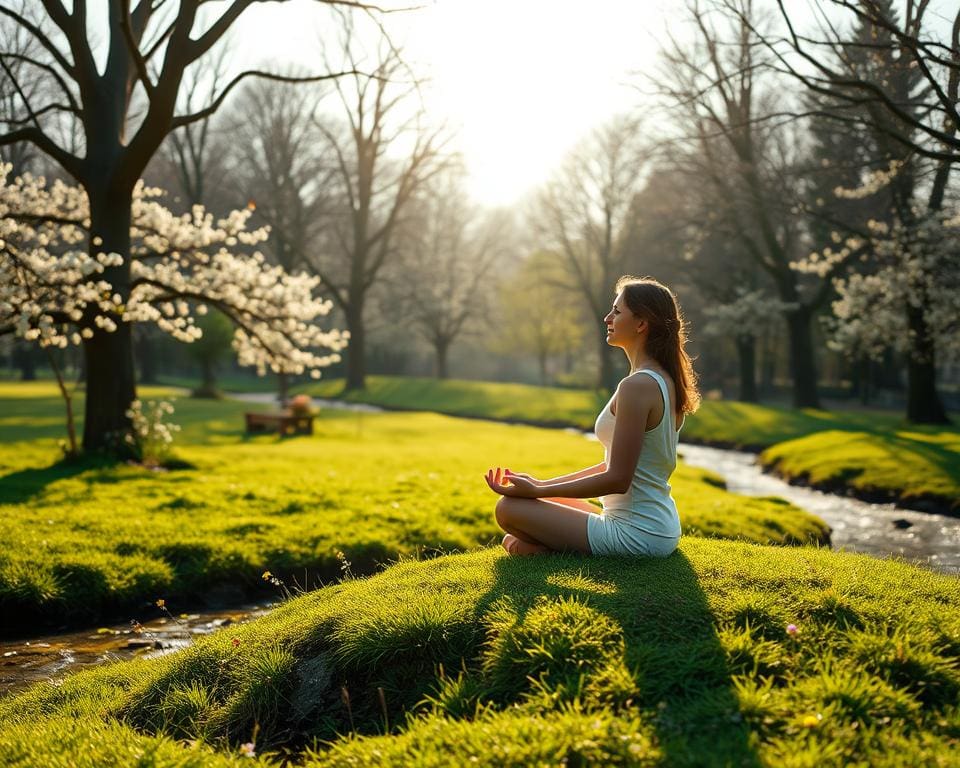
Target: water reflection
x,y
23,662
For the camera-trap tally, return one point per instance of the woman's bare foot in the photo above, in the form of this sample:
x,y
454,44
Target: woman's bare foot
x,y
515,546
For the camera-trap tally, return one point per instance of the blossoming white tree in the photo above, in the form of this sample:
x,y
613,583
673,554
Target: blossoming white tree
x,y
915,274
55,292
114,96
912,112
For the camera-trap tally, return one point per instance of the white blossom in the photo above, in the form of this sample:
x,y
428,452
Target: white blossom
x,y
56,288
748,315
916,266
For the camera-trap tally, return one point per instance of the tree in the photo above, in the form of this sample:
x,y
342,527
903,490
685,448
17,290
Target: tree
x,y
684,233
449,252
582,212
278,162
123,112
912,111
716,83
208,350
54,292
16,83
537,314
196,151
382,156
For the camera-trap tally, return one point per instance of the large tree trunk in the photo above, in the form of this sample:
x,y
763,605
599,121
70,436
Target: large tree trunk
x,y
24,358
803,369
356,350
747,357
208,384
146,354
441,348
923,401
768,364
109,356
863,378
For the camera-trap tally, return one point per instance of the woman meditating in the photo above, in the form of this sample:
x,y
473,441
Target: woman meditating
x,y
638,428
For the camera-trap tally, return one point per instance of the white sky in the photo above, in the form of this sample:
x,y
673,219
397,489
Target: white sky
x,y
520,80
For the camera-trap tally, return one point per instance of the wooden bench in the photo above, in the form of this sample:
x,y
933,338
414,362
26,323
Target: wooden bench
x,y
286,423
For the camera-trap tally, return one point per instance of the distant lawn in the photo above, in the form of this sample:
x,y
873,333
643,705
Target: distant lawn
x,y
231,382
90,540
524,403
874,453
724,654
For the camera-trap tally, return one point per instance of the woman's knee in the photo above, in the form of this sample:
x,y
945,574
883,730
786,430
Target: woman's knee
x,y
502,511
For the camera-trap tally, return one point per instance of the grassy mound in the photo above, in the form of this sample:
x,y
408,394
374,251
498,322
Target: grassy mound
x,y
918,469
87,541
723,654
874,454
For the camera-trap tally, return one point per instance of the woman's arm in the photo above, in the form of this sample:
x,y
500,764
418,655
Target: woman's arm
x,y
594,470
635,399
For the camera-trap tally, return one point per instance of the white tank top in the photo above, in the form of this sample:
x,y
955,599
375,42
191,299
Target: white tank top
x,y
647,505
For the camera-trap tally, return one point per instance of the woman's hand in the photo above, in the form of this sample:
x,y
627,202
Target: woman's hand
x,y
524,476
507,484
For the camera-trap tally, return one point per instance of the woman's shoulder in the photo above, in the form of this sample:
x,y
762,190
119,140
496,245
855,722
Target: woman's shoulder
x,y
643,375
635,386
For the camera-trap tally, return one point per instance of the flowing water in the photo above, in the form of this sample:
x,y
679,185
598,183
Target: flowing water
x,y
882,530
23,662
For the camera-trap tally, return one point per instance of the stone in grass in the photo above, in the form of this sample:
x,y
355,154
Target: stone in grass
x,y
315,676
137,643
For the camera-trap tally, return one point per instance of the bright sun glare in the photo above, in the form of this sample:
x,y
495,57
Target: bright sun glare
x,y
521,80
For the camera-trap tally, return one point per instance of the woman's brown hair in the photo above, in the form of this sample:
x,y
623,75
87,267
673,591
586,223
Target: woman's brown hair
x,y
667,337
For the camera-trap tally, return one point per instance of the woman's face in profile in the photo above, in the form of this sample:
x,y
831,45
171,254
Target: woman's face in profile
x,y
621,322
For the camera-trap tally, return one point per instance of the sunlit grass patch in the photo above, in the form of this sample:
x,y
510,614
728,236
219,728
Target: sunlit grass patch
x,y
485,399
907,465
516,661
92,539
870,451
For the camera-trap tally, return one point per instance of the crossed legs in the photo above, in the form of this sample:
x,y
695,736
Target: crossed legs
x,y
536,526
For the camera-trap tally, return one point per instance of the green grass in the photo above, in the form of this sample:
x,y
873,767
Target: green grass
x,y
524,403
91,540
230,382
873,453
914,467
488,660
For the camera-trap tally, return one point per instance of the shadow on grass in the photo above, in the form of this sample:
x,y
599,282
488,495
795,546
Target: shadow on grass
x,y
671,647
24,485
941,457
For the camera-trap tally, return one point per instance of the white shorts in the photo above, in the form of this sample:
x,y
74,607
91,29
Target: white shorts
x,y
609,535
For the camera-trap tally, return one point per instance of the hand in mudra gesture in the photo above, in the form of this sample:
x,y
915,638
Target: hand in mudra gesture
x,y
516,484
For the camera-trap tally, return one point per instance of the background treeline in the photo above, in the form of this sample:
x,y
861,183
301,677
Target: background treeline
x,y
761,188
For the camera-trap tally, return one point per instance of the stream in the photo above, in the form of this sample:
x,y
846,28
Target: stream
x,y
882,530
24,662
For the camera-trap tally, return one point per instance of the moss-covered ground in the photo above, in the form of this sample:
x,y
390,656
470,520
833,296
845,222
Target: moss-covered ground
x,y
87,541
874,454
723,654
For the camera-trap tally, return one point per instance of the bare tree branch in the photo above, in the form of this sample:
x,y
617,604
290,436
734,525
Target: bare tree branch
x,y
182,120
